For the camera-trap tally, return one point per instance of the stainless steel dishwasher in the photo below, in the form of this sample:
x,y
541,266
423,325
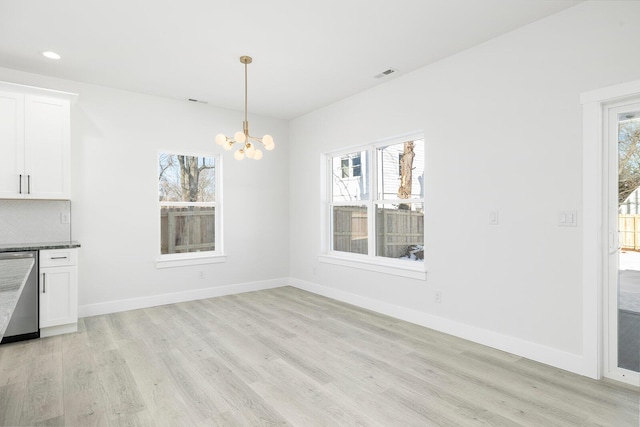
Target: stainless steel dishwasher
x,y
24,321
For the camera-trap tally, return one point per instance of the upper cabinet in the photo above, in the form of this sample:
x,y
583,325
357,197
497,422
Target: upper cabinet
x,y
35,145
11,143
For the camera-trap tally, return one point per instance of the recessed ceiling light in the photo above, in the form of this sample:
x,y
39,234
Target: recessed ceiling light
x,y
51,55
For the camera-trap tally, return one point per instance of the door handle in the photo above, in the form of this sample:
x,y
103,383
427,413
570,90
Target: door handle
x,y
20,185
28,184
44,283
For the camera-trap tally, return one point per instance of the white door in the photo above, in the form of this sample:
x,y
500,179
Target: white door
x,y
622,290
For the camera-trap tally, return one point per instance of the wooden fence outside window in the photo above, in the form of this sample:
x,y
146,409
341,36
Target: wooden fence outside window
x,y
187,230
629,232
397,230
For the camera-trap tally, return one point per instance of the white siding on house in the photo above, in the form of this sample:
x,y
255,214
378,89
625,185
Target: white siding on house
x,y
350,182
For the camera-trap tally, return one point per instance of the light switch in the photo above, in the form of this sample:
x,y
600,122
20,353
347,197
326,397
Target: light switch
x,y
568,218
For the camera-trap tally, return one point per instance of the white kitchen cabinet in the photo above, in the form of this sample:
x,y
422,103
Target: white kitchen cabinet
x,y
11,143
58,291
35,144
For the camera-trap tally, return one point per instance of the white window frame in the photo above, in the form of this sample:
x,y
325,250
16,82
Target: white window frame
x,y
370,261
203,257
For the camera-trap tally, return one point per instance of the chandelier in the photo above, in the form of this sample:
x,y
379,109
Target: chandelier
x,y
248,143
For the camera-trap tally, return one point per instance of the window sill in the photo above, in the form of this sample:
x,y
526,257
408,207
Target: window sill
x,y
183,260
379,265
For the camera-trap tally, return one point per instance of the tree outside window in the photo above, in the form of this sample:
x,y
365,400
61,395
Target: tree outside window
x,y
187,190
629,156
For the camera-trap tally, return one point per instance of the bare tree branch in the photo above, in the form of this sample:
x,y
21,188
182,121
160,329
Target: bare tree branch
x,y
629,158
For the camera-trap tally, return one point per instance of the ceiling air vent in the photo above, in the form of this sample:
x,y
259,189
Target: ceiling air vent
x,y
385,73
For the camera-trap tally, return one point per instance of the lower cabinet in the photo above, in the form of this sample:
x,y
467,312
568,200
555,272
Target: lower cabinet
x,y
58,291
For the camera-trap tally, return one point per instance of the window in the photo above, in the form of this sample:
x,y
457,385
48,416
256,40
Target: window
x,y
350,166
188,191
356,169
348,207
376,204
344,166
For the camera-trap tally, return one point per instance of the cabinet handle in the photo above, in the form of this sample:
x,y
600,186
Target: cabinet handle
x,y
20,184
28,184
44,283
58,257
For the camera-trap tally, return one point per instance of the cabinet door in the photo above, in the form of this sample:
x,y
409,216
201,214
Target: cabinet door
x,y
58,296
11,143
47,147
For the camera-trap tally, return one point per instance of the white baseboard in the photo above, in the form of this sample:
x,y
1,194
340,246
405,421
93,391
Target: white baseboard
x,y
175,297
57,330
560,359
568,361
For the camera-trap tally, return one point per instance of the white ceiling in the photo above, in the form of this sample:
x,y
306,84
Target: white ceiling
x,y
307,54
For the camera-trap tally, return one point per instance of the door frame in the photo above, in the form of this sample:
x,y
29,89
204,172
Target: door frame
x,y
595,253
611,285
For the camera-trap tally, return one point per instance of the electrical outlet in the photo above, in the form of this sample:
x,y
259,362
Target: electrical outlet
x,y
201,274
65,218
437,297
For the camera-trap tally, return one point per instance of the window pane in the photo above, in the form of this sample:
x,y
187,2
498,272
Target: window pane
x,y
401,170
400,231
344,165
356,166
186,178
350,229
350,177
187,229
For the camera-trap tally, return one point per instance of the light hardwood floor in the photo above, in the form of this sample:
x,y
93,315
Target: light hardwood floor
x,y
286,357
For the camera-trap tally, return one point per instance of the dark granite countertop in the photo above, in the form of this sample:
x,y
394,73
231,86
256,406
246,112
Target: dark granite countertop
x,y
19,247
13,275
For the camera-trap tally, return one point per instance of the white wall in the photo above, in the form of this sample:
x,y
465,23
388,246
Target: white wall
x,y
116,137
502,123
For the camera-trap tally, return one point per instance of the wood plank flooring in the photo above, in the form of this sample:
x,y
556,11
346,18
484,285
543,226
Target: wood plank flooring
x,y
287,357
